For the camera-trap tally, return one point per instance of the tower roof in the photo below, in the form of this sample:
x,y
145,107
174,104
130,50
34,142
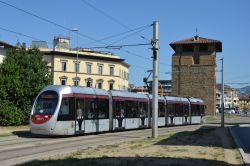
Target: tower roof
x,y
198,40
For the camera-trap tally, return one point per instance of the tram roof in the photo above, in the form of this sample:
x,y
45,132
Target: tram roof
x,y
64,89
196,100
179,99
125,94
159,97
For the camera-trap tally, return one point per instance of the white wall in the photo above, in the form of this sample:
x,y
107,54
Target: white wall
x,y
2,54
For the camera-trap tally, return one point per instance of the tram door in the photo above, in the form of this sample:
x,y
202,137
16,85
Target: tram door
x,y
79,120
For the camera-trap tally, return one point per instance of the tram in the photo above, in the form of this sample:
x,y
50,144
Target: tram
x,y
71,110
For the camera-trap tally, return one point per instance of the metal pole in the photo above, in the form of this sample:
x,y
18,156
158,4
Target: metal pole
x,y
77,61
155,87
222,92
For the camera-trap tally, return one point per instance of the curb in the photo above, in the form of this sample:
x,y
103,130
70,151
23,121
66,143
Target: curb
x,y
243,155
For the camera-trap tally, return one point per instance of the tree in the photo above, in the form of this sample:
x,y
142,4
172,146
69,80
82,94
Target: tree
x,y
23,74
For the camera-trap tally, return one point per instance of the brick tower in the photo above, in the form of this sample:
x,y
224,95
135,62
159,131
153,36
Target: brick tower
x,y
194,69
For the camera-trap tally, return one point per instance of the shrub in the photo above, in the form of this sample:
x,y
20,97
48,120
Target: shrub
x,y
9,114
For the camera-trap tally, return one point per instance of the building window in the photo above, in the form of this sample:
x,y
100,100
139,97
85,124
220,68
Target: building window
x,y
203,48
99,84
77,67
76,82
100,69
196,58
188,48
89,82
89,68
63,81
111,86
111,70
63,65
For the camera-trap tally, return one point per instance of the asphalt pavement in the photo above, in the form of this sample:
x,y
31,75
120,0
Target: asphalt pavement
x,y
241,135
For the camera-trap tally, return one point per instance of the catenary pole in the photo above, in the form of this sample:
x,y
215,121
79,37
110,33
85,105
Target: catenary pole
x,y
155,44
222,92
76,30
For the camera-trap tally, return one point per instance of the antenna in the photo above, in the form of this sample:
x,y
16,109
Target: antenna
x,y
196,30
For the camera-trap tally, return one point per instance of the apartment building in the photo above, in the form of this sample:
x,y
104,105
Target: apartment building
x,y
84,67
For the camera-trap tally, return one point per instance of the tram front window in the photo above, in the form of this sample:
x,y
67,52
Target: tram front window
x,y
46,103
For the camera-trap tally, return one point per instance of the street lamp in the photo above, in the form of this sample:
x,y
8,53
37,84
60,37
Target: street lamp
x,y
76,30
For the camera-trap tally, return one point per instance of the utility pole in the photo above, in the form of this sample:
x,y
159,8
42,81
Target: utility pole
x,y
155,44
222,92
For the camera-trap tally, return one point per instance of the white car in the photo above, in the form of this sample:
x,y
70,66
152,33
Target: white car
x,y
231,111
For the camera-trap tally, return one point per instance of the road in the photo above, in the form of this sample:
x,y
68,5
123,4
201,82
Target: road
x,y
23,147
241,134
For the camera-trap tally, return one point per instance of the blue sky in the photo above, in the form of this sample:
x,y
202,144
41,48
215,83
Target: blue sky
x,y
224,20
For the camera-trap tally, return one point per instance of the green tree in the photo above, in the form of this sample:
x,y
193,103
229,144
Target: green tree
x,y
23,74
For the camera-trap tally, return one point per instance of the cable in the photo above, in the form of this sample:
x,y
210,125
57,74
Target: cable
x,y
116,35
112,18
121,46
66,28
46,20
63,27
18,33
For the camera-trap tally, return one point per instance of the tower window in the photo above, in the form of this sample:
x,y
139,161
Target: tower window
x,y
196,59
188,48
203,48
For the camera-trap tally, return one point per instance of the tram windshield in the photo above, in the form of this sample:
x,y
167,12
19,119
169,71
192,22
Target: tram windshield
x,y
46,103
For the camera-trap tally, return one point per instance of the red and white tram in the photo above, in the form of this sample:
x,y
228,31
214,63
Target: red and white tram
x,y
70,110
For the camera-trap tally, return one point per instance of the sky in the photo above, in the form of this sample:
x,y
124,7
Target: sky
x,y
128,22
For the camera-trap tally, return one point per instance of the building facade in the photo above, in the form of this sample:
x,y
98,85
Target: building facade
x,y
165,88
244,103
84,67
231,97
3,50
194,69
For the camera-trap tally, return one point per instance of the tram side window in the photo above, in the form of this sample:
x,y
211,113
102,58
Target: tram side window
x,y
186,109
132,109
161,109
91,109
103,108
170,109
143,109
195,109
178,109
203,108
79,108
67,109
119,107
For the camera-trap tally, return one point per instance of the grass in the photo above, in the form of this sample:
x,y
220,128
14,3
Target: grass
x,y
6,134
217,117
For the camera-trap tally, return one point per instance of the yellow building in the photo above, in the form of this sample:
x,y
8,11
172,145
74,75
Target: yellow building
x,y
244,103
95,69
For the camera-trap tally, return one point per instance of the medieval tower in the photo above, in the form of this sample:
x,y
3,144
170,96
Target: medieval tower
x,y
194,69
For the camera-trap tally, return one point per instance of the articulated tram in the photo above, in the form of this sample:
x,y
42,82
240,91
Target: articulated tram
x,y
70,110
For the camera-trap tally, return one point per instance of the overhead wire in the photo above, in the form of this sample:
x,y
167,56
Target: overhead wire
x,y
35,38
69,29
112,18
116,35
45,19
